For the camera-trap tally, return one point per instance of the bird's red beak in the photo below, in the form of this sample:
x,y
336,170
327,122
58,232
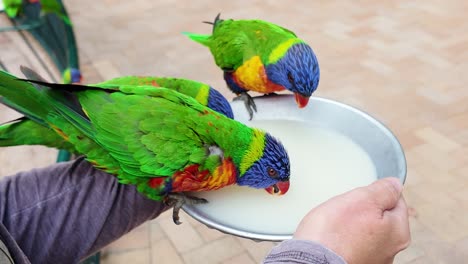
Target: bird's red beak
x,y
279,188
301,100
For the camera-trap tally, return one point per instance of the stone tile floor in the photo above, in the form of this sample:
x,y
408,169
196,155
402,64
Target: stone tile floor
x,y
403,62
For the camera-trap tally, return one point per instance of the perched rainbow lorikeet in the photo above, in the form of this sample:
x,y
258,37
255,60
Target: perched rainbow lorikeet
x,y
162,141
263,57
24,131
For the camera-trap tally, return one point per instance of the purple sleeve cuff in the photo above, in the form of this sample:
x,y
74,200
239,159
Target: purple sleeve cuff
x,y
303,252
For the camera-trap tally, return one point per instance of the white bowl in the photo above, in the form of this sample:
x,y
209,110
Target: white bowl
x,y
370,135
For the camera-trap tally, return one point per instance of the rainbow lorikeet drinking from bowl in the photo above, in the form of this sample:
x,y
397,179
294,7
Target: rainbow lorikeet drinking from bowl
x,y
259,56
162,141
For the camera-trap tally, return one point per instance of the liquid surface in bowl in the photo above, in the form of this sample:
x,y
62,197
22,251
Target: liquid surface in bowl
x,y
324,163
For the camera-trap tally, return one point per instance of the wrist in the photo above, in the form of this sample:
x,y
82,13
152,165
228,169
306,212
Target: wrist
x,y
305,250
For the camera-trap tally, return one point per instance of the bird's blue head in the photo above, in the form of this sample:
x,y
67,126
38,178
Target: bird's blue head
x,y
297,71
271,171
218,103
72,75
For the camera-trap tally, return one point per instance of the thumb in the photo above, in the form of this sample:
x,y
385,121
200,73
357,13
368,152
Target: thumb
x,y
386,192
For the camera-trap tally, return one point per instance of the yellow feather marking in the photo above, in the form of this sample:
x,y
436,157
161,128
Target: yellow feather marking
x,y
60,132
251,74
202,95
84,111
255,151
281,49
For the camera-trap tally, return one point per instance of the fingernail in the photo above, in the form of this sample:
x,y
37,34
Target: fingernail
x,y
395,182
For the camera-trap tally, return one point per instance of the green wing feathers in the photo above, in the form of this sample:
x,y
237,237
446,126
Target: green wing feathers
x,y
140,135
235,41
131,84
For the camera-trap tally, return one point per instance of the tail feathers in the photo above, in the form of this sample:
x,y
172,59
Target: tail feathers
x,y
66,104
20,131
17,120
204,39
6,137
200,38
23,97
61,92
42,100
24,131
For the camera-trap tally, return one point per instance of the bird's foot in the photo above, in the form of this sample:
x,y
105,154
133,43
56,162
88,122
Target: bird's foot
x,y
270,94
177,200
249,103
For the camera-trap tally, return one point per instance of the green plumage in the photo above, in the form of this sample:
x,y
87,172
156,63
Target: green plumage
x,y
187,87
135,133
12,7
27,132
54,7
235,41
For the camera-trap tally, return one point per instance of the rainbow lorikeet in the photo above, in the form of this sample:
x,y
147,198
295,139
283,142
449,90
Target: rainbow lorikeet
x,y
24,131
162,141
259,56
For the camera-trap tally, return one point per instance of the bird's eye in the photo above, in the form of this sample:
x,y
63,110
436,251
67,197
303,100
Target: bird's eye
x,y
290,78
272,173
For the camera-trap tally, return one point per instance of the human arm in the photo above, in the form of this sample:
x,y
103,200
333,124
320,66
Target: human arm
x,y
67,211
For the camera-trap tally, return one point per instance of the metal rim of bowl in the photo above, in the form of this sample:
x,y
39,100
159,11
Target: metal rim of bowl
x,y
281,237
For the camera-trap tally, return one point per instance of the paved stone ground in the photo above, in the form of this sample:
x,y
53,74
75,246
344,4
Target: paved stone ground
x,y
404,62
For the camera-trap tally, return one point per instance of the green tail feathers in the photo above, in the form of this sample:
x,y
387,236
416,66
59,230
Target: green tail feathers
x,y
10,134
39,102
200,38
33,102
23,97
24,131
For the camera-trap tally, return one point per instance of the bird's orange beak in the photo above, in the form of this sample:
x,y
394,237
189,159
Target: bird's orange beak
x,y
279,188
301,100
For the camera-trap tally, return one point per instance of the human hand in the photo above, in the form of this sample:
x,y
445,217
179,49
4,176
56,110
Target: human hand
x,y
366,225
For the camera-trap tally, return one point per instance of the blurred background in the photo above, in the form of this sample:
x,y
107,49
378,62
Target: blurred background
x,y
404,62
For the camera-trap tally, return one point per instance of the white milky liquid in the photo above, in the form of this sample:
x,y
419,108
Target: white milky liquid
x,y
324,163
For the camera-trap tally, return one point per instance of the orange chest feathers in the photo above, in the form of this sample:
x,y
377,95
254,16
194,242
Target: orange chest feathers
x,y
191,179
252,76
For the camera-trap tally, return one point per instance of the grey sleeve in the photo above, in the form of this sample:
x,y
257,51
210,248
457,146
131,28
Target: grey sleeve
x,y
302,252
65,212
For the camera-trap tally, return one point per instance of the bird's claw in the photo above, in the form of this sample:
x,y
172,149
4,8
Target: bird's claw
x,y
249,103
177,200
